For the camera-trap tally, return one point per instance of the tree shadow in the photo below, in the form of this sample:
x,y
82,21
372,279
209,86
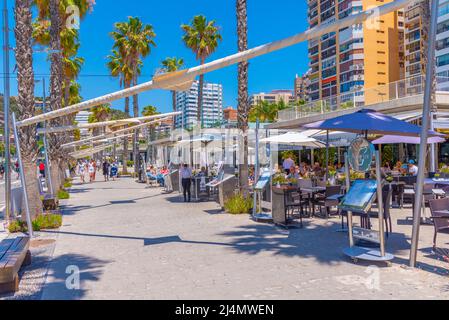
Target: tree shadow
x,y
60,271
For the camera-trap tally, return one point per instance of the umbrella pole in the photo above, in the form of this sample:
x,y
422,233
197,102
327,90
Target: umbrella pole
x,y
424,133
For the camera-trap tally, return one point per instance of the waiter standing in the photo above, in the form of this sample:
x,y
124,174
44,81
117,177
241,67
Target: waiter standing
x,y
186,176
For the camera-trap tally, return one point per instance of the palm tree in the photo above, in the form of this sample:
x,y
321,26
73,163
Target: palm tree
x,y
133,40
264,111
202,37
49,30
72,67
243,101
173,65
25,79
147,112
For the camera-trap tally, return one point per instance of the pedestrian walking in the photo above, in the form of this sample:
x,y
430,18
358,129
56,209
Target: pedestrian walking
x,y
17,168
114,171
91,169
106,167
186,176
42,169
82,171
2,171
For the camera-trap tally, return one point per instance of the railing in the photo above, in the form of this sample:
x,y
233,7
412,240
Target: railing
x,y
363,98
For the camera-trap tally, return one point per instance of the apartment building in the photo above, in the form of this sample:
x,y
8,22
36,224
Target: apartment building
x,y
301,87
354,58
274,96
212,109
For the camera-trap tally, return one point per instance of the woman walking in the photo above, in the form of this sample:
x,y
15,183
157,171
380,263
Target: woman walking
x,y
91,169
82,171
114,171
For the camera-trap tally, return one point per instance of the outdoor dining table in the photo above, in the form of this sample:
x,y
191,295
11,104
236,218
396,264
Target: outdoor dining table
x,y
312,192
438,193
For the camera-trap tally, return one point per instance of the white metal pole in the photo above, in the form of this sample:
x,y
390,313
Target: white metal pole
x,y
380,205
348,186
22,177
47,160
424,132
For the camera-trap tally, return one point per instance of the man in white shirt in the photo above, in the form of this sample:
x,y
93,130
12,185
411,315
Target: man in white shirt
x,y
288,164
186,179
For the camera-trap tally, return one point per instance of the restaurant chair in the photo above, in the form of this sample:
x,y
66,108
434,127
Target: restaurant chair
x,y
328,200
387,194
440,216
398,193
293,201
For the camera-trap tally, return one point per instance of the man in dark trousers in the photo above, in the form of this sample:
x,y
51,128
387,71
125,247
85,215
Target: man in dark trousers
x,y
186,176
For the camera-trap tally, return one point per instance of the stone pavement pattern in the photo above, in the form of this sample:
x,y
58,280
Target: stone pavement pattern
x,y
130,242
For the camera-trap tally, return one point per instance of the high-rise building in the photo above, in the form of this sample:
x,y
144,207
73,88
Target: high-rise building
x,y
354,58
301,86
274,96
82,117
442,46
415,39
212,110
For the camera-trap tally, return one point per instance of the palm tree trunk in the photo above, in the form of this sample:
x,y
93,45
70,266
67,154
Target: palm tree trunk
x,y
199,117
125,141
243,109
136,133
25,79
425,25
56,80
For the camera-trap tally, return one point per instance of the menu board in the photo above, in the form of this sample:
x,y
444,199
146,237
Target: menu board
x,y
360,196
264,179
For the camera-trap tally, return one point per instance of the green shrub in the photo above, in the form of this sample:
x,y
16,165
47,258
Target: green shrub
x,y
67,185
238,204
63,195
17,226
130,163
47,221
42,222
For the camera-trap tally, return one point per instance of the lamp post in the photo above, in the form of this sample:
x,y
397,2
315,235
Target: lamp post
x,y
6,109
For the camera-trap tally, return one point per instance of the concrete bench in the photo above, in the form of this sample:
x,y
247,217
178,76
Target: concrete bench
x,y
14,253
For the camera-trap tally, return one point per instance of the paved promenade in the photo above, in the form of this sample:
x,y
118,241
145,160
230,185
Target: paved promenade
x,y
130,242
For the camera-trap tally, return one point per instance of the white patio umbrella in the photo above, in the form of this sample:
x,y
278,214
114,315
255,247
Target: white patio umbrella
x,y
295,138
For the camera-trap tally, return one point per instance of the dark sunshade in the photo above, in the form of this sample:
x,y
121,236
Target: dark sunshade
x,y
369,121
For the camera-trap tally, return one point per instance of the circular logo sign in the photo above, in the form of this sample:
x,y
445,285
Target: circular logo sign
x,y
360,155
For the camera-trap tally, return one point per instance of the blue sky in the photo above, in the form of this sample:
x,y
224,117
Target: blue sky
x,y
267,21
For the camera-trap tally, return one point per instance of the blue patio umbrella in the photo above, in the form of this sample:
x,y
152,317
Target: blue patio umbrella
x,y
369,121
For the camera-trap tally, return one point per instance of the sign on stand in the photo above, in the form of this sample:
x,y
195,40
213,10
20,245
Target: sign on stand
x,y
359,199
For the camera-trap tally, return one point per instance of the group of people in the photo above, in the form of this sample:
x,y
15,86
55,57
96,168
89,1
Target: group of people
x,y
154,175
409,168
304,170
91,167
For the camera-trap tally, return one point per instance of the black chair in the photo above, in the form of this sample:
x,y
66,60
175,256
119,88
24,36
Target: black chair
x,y
387,193
398,193
440,219
294,202
328,200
